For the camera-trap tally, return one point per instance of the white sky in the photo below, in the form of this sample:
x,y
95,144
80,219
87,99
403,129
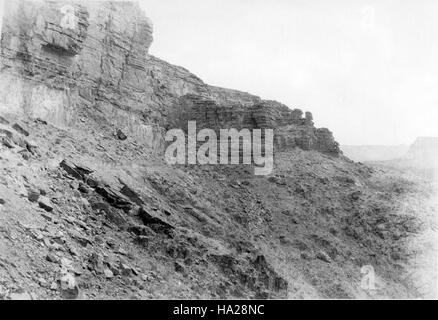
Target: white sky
x,y
368,70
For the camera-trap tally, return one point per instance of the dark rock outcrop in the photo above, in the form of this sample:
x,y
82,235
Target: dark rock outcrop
x,y
291,129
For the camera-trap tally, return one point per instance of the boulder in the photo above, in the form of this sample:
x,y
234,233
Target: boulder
x,y
20,129
155,223
120,135
76,171
68,286
45,203
33,195
114,198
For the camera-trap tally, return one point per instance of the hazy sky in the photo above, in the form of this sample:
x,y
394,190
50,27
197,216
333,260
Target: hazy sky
x,y
368,70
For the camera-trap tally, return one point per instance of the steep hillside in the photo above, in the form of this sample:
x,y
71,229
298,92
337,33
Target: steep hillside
x,y
124,225
89,208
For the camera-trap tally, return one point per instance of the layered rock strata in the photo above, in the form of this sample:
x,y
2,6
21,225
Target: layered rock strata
x,y
63,61
291,129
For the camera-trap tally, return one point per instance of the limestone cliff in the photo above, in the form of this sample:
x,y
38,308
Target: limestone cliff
x,y
89,61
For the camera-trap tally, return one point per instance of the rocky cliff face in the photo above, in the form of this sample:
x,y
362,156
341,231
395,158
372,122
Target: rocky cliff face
x,y
291,129
87,213
70,61
98,62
